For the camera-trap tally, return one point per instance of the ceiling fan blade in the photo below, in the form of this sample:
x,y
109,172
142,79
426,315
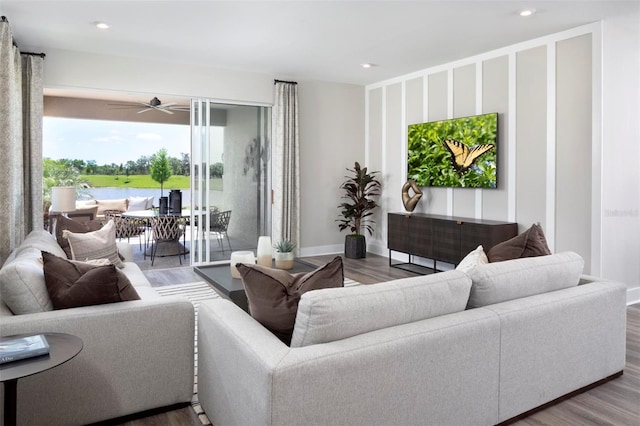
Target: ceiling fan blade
x,y
164,110
144,110
169,104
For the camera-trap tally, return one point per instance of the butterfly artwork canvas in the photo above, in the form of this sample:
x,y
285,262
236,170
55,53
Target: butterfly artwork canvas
x,y
455,153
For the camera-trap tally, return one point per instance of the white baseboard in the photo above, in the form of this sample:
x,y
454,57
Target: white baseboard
x,y
321,250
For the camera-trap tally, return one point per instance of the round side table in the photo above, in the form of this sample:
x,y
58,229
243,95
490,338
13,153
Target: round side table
x,y
62,348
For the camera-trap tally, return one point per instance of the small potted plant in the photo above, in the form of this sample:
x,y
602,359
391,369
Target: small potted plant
x,y
284,254
356,211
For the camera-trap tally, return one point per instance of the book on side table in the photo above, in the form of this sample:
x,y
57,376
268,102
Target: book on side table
x,y
15,349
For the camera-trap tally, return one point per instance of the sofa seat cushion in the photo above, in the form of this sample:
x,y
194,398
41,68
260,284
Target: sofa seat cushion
x,y
513,279
334,314
22,284
72,284
273,294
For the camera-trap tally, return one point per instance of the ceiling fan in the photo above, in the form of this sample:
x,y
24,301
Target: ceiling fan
x,y
153,104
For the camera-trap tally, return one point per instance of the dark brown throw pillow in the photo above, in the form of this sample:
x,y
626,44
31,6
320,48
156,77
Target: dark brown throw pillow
x,y
273,294
530,243
71,284
63,223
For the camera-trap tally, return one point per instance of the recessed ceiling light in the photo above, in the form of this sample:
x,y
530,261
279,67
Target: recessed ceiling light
x,y
527,12
366,65
101,25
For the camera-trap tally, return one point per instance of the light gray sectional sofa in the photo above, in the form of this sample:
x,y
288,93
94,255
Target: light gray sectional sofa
x,y
137,355
452,348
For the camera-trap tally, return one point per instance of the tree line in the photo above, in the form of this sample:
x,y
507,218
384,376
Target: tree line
x,y
142,166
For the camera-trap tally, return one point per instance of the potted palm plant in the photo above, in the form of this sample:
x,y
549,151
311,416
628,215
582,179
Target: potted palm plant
x,y
357,209
284,254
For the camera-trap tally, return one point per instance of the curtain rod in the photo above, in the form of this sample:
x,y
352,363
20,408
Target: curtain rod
x,y
13,41
283,81
42,55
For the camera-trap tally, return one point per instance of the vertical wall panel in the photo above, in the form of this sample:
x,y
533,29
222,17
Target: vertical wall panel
x,y
375,129
573,147
414,114
464,104
495,98
390,177
434,200
531,131
414,99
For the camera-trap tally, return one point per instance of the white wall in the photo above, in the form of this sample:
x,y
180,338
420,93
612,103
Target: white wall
x,y
588,202
620,220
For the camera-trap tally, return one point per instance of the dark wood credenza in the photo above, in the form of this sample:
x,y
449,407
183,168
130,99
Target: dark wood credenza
x,y
442,238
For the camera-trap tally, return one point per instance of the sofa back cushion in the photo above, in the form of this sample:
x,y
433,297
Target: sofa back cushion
x,y
333,314
41,240
513,279
22,284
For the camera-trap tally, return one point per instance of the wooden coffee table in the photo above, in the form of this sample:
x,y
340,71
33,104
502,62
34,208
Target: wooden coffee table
x,y
219,276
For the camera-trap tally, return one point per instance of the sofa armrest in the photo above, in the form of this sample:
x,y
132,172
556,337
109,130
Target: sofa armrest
x,y
137,355
236,350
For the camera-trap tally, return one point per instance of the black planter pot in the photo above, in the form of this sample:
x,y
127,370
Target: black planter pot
x,y
355,247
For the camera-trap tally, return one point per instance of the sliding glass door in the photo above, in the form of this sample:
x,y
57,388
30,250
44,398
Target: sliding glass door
x,y
230,179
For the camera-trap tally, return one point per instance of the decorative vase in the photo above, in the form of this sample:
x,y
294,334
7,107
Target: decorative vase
x,y
284,260
355,247
264,251
245,257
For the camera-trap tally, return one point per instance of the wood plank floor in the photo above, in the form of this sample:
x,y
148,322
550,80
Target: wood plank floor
x,y
616,402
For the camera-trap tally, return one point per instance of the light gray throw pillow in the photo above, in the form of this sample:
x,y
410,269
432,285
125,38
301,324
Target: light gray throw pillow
x,y
338,313
513,279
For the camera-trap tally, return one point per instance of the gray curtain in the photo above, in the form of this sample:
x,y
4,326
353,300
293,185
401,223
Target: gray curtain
x,y
21,103
285,164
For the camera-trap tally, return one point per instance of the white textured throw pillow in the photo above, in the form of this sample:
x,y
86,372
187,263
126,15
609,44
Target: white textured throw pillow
x,y
473,259
137,203
100,244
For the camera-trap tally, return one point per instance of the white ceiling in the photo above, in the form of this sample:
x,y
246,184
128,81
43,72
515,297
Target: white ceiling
x,y
298,40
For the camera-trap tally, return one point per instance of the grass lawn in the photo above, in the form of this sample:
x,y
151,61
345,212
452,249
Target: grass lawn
x,y
143,181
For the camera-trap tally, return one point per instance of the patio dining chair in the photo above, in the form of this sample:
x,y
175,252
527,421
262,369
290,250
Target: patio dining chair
x,y
219,225
127,227
166,230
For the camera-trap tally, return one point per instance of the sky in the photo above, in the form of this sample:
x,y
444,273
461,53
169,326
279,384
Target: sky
x,y
108,142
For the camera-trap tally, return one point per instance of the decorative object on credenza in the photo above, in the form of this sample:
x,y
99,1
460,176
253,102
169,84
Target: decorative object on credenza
x,y
244,257
264,251
284,254
356,211
410,201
